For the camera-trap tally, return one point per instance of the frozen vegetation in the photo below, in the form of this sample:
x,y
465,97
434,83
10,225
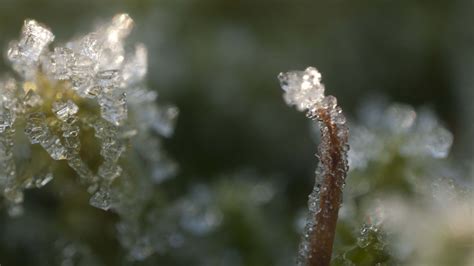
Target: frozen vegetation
x,y
304,90
84,104
78,121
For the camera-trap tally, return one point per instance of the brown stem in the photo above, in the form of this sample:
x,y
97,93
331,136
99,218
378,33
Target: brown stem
x,y
332,154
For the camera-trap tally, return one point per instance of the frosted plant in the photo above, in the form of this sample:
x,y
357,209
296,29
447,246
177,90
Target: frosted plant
x,y
395,150
84,103
413,144
397,130
449,237
304,90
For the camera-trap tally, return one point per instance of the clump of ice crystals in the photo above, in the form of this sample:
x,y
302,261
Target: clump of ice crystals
x,y
89,84
25,53
304,90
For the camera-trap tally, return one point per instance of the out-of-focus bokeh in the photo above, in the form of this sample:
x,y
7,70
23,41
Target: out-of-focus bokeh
x,y
217,61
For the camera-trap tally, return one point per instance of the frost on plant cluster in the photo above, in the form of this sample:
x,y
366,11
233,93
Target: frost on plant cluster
x,y
304,90
399,177
397,129
85,103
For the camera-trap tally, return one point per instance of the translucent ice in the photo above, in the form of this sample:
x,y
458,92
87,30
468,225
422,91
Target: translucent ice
x,y
7,163
6,118
39,180
32,100
101,199
64,110
302,88
73,101
60,63
38,132
113,107
120,28
25,53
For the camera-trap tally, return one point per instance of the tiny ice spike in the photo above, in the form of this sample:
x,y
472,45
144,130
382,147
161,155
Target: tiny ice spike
x,y
89,88
304,90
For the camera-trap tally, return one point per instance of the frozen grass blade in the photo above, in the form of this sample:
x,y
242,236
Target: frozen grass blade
x,y
304,90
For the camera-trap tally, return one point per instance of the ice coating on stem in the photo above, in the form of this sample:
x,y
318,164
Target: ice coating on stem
x,y
304,90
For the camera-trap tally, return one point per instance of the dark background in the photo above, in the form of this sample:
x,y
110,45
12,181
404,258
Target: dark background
x,y
218,62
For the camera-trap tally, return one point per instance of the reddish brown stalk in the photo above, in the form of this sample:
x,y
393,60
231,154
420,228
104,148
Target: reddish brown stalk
x,y
332,154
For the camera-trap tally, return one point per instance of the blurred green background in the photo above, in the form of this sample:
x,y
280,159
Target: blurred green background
x,y
218,62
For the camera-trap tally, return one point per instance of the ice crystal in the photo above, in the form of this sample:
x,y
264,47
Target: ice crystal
x,y
25,53
38,131
65,110
304,90
40,180
88,88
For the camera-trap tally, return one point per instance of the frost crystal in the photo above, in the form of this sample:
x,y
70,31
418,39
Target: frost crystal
x,y
38,132
65,110
101,199
304,90
74,100
25,53
8,104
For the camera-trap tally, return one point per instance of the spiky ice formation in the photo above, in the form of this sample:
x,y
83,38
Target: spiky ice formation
x,y
88,88
304,90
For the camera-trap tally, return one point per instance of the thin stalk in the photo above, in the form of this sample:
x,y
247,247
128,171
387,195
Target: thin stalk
x,y
333,165
304,90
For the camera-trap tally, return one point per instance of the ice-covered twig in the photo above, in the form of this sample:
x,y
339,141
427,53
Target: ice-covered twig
x,y
304,90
